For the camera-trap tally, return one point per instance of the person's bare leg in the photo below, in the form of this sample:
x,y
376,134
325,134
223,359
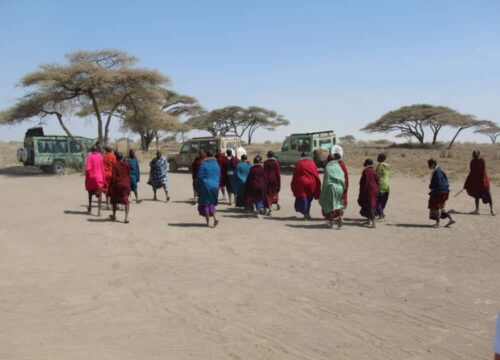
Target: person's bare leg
x,y
127,208
99,203
207,218
492,212
216,222
89,207
476,200
107,202
154,194
229,196
137,200
167,198
340,222
450,221
113,217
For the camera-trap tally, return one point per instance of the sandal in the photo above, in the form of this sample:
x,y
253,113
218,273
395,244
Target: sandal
x,y
112,217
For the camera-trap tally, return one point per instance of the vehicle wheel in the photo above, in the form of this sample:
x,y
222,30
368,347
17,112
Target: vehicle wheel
x,y
172,166
58,167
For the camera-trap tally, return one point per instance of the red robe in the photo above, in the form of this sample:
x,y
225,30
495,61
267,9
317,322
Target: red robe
x,y
306,182
477,182
346,182
368,188
119,188
220,160
109,161
272,169
256,184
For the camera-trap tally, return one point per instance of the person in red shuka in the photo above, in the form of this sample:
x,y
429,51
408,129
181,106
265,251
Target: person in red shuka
x,y
477,183
119,187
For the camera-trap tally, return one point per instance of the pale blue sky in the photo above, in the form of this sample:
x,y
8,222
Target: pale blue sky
x,y
322,64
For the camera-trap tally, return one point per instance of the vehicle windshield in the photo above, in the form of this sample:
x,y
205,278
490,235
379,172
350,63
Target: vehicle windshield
x,y
325,144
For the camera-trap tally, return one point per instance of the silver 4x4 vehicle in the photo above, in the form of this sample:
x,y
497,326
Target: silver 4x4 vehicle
x,y
317,145
52,153
189,149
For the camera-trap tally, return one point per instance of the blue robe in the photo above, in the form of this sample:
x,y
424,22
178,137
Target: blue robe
x,y
135,174
207,182
238,181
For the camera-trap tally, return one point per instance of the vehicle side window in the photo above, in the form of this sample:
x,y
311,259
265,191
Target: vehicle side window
x,y
208,145
304,145
45,146
286,147
74,147
293,145
194,148
185,149
61,146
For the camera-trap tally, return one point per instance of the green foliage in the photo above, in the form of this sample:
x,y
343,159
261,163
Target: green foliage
x,y
237,120
96,83
491,130
411,122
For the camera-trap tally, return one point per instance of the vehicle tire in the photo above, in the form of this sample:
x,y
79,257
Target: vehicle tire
x,y
22,154
58,167
172,165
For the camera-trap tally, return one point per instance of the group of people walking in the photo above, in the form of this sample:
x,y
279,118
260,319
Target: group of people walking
x,y
256,186
116,177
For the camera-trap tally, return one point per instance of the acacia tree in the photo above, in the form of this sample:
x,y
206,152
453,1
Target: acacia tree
x,y
411,121
348,139
491,130
217,122
93,83
257,117
147,121
465,122
237,120
150,111
42,104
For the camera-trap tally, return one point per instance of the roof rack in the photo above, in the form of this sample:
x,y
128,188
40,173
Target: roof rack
x,y
326,132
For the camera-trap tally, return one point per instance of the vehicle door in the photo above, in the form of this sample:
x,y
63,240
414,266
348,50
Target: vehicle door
x,y
194,148
44,151
75,154
285,150
183,159
304,145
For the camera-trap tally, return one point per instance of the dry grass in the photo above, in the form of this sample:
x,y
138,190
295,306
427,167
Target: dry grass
x,y
403,161
413,162
8,153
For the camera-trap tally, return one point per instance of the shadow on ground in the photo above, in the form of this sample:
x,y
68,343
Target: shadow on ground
x,y
417,226
187,225
23,171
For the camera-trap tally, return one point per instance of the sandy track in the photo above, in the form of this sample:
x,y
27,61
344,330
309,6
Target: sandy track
x,y
74,286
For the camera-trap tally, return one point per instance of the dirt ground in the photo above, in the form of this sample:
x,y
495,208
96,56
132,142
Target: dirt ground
x,y
74,286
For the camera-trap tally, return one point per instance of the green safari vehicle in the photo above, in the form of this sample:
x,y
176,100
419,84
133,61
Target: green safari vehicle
x,y
52,153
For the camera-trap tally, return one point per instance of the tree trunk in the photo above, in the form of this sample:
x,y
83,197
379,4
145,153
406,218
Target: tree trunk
x,y
435,134
454,137
99,117
146,140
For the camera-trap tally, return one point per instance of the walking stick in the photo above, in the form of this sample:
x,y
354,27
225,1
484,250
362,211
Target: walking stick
x,y
458,193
